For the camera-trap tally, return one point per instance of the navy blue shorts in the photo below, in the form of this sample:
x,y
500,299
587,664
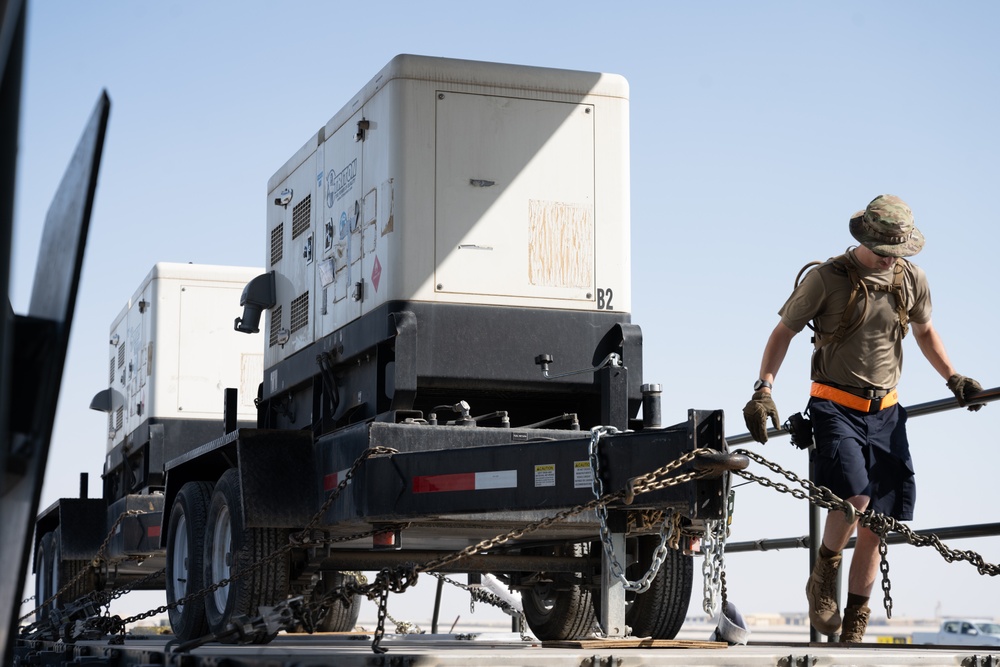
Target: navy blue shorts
x,y
859,454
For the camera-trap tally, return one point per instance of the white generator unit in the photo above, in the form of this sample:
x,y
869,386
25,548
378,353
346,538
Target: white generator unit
x,y
172,353
477,202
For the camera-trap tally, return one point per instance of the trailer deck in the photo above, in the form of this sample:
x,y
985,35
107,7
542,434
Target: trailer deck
x,y
507,649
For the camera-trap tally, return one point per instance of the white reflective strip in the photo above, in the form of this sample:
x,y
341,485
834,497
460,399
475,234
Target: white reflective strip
x,y
496,479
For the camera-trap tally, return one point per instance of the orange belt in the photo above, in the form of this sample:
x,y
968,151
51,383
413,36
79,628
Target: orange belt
x,y
849,400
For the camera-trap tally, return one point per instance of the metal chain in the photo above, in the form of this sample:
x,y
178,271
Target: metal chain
x,y
642,584
880,524
477,594
98,558
883,552
404,627
655,480
402,577
713,568
304,534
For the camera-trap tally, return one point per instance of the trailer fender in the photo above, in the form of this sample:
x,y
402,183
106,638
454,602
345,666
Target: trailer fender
x,y
278,478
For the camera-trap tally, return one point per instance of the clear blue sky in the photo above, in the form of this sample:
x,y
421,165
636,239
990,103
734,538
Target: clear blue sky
x,y
757,129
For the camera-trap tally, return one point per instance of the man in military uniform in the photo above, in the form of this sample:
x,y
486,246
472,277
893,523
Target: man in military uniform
x,y
860,305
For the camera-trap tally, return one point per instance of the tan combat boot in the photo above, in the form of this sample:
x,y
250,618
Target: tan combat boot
x,y
855,623
821,591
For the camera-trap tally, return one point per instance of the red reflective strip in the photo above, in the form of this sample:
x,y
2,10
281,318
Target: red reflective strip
x,y
330,482
153,531
386,539
462,481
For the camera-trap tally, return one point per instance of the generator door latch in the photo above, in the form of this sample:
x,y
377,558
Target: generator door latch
x,y
359,291
363,126
307,249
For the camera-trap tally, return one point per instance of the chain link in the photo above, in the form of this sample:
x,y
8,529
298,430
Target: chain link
x,y
642,584
655,480
713,568
478,594
883,552
98,558
880,524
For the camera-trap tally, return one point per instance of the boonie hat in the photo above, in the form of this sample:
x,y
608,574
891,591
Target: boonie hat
x,y
886,227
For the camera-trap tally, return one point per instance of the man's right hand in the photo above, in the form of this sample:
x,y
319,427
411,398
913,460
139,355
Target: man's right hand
x,y
756,412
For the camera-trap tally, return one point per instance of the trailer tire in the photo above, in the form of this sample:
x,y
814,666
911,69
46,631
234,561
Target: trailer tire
x,y
185,551
659,612
44,576
556,612
65,572
338,617
231,548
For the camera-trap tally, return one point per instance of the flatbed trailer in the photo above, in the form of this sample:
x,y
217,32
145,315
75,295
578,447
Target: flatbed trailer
x,y
503,649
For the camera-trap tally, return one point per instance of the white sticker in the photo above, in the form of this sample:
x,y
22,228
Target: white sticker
x,y
583,476
496,479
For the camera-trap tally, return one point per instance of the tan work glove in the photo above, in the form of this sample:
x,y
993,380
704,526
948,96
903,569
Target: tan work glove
x,y
756,412
964,389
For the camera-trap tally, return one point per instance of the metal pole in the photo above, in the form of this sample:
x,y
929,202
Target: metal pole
x,y
815,539
942,405
805,542
437,607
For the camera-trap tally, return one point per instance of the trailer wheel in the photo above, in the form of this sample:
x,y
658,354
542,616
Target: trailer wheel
x,y
232,548
75,576
338,618
45,576
185,550
660,611
558,610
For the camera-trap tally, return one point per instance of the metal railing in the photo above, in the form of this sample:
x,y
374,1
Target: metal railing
x,y
812,540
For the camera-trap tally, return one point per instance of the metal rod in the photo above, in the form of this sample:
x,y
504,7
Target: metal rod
x,y
437,606
351,559
815,537
942,405
804,542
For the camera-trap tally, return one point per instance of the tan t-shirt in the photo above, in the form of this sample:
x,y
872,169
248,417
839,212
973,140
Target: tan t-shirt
x,y
871,355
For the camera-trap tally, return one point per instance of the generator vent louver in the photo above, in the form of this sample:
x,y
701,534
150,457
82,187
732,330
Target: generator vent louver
x,y
277,243
121,355
119,418
299,312
301,215
111,374
275,326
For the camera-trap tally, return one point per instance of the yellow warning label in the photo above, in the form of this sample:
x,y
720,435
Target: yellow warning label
x,y
545,474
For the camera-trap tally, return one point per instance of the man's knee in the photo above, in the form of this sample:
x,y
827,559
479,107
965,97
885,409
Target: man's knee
x,y
860,503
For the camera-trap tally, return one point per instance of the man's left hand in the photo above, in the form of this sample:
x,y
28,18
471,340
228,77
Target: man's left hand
x,y
964,389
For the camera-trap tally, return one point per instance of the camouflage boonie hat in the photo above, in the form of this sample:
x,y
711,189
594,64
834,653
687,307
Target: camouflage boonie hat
x,y
886,227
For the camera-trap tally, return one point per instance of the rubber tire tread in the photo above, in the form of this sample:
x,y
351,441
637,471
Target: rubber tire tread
x,y
192,503
338,617
572,615
660,611
43,575
266,585
66,571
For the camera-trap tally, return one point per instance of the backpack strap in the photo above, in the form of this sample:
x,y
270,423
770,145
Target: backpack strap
x,y
899,294
844,265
